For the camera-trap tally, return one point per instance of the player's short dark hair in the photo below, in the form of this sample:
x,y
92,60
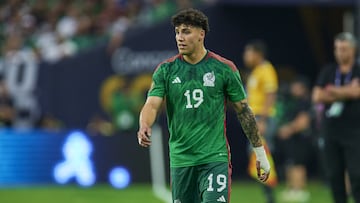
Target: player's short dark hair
x,y
301,79
347,36
191,17
258,46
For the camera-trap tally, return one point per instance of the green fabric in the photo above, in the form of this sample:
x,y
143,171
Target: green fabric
x,y
196,107
202,183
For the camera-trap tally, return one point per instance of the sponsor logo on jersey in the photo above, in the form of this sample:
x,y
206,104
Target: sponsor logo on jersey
x,y
177,201
176,81
221,199
209,79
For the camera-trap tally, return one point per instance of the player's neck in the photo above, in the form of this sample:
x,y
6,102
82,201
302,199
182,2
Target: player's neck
x,y
346,67
259,62
196,57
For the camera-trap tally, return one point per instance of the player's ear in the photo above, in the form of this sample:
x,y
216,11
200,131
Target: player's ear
x,y
202,35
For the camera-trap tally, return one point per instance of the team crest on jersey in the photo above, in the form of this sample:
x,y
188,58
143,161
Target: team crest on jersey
x,y
209,79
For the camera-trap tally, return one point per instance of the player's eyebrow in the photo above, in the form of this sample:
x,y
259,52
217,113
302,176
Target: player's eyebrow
x,y
183,28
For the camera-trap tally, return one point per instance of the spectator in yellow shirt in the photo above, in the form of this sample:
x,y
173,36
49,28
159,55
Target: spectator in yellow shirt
x,y
262,86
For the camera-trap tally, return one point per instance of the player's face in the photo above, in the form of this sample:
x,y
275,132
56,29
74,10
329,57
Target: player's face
x,y
249,57
298,89
189,38
344,51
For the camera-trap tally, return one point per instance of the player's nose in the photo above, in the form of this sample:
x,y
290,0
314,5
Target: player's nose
x,y
180,38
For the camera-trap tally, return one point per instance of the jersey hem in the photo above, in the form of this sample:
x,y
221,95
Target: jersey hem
x,y
198,163
237,99
155,95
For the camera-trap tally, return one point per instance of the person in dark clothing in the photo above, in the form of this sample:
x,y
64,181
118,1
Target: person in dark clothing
x,y
338,88
294,141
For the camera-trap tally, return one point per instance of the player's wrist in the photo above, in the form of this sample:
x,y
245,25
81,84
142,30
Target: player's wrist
x,y
143,124
262,158
260,152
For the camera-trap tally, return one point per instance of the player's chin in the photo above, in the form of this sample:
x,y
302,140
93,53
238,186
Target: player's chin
x,y
183,52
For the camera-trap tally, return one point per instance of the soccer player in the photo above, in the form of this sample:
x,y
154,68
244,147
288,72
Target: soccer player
x,y
338,87
196,84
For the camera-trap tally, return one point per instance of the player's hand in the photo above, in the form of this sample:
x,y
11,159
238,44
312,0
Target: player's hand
x,y
262,164
263,176
285,132
144,135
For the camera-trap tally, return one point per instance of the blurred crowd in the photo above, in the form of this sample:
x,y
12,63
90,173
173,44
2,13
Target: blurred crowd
x,y
55,29
51,30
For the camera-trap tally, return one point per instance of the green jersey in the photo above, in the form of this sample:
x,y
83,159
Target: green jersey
x,y
195,98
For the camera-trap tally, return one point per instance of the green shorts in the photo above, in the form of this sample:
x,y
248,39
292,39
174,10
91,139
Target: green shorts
x,y
206,183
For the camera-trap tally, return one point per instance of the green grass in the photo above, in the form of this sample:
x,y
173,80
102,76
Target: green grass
x,y
248,192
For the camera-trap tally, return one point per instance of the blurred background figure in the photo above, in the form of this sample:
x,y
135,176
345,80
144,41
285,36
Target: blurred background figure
x,y
48,122
99,126
7,110
293,138
338,87
262,86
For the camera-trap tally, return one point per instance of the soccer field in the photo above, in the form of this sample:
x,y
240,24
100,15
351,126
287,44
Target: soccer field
x,y
248,192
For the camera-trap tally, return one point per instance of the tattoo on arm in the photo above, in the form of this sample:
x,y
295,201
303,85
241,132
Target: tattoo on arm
x,y
248,123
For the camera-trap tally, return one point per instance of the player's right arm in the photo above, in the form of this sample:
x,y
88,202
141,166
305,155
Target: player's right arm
x,y
151,107
147,118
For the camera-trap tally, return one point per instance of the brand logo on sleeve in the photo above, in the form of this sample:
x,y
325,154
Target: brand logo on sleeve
x,y
209,79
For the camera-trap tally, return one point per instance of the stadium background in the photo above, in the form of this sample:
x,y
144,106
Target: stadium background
x,y
89,82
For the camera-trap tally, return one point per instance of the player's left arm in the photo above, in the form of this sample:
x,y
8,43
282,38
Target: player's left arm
x,y
236,94
247,120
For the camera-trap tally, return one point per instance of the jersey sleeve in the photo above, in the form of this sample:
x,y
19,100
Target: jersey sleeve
x,y
270,80
234,87
158,83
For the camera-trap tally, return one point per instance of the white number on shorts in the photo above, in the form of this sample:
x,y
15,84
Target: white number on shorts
x,y
197,95
220,180
210,178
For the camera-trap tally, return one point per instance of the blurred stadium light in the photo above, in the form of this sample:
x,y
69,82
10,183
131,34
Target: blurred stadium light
x,y
40,157
76,150
119,177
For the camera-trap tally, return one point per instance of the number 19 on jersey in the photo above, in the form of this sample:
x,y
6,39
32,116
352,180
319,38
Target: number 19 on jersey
x,y
194,98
